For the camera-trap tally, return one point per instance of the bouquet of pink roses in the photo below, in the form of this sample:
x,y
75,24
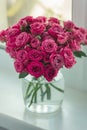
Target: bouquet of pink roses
x,y
41,46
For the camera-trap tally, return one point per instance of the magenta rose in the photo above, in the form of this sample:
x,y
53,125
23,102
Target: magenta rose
x,y
29,19
35,55
46,57
22,39
50,73
16,26
49,46
35,68
11,43
22,55
56,61
41,19
53,20
35,43
22,23
11,51
45,36
11,37
37,28
13,32
85,38
69,62
69,59
68,25
82,30
78,36
62,38
74,45
19,66
27,48
25,21
3,35
54,30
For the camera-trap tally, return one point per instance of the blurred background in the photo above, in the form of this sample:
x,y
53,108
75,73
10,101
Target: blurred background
x,y
12,10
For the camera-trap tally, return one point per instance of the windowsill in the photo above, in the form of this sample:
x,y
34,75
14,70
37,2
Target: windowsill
x,y
72,115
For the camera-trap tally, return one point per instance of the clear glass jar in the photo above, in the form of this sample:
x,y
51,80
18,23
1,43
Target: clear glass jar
x,y
41,96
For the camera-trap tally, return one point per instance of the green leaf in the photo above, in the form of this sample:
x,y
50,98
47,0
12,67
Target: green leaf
x,y
23,75
83,43
57,88
79,54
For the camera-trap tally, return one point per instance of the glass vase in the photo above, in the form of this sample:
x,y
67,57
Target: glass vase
x,y
41,96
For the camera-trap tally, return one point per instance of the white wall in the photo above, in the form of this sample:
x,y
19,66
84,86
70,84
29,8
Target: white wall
x,y
77,76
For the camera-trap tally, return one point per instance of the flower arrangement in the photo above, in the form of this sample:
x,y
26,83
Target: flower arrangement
x,y
41,46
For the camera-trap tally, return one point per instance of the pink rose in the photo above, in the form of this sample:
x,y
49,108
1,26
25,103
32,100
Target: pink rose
x,y
22,55
70,35
54,30
25,21
22,23
45,36
53,20
41,19
70,62
11,43
78,36
49,46
3,35
19,66
11,51
35,68
22,39
69,59
46,57
37,28
27,48
56,61
13,32
50,73
75,46
62,38
82,30
35,55
35,43
69,25
85,39
16,26
29,19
